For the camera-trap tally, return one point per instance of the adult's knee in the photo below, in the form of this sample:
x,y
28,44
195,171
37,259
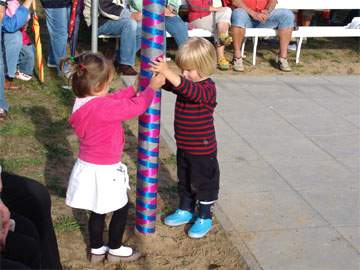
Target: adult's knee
x,y
286,18
240,18
132,25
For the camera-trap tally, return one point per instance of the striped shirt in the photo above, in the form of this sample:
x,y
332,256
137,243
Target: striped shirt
x,y
194,121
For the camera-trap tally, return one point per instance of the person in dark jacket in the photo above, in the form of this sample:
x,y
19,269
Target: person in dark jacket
x,y
32,241
57,14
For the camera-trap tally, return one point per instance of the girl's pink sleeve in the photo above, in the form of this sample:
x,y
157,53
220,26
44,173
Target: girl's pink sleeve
x,y
125,108
127,92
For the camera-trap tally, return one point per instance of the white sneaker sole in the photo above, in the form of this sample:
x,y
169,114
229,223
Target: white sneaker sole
x,y
173,224
197,235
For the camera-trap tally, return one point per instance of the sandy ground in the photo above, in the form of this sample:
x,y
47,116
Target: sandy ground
x,y
168,248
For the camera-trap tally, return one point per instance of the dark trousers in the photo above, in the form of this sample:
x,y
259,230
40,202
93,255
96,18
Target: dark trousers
x,y
31,199
116,228
22,246
198,177
13,265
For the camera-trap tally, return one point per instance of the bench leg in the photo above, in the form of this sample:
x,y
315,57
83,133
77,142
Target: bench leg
x,y
243,48
298,49
255,40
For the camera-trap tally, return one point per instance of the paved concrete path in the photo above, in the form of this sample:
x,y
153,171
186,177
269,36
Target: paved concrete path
x,y
289,158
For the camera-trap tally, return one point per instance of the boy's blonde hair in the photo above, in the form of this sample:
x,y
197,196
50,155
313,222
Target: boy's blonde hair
x,y
197,54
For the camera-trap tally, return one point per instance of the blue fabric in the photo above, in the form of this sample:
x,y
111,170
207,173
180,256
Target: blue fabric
x,y
15,22
179,217
278,19
57,21
3,103
130,38
12,47
27,59
177,28
200,228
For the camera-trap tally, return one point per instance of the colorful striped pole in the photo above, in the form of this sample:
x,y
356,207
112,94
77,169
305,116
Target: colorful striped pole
x,y
152,47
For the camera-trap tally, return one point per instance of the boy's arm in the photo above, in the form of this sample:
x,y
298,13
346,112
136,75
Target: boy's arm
x,y
172,77
194,91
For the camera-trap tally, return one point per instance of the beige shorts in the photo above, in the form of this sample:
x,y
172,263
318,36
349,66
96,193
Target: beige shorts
x,y
209,22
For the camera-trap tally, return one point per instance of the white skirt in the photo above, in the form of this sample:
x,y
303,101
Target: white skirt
x,y
98,188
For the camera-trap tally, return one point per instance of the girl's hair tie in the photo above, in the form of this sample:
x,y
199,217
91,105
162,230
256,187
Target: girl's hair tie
x,y
82,67
72,59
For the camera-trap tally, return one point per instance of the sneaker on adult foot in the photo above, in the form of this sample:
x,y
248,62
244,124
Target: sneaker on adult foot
x,y
200,228
49,65
283,64
3,114
124,254
238,64
22,76
292,47
179,217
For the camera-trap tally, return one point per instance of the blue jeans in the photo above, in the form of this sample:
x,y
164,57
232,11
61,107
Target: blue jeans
x,y
130,38
27,59
57,21
12,47
177,28
3,103
278,19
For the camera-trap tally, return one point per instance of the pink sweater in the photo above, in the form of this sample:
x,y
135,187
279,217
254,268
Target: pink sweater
x,y
98,124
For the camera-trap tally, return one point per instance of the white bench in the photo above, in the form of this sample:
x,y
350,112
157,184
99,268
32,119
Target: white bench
x,y
309,31
300,34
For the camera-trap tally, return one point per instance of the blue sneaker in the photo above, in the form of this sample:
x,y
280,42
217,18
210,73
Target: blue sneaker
x,y
179,217
200,228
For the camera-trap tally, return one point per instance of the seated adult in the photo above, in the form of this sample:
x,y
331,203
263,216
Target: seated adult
x,y
212,16
30,206
116,19
261,14
174,25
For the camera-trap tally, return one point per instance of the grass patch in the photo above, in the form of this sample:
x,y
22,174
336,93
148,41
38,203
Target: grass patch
x,y
170,160
17,129
66,224
18,163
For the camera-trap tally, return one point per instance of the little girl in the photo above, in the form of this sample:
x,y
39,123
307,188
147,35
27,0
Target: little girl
x,y
197,165
99,181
